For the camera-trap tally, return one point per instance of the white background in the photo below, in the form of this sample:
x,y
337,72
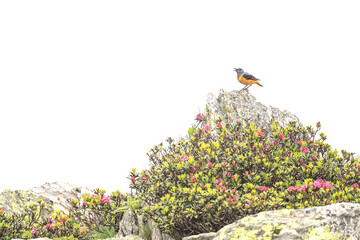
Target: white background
x,y
88,87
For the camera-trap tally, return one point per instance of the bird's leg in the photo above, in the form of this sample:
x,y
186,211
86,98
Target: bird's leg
x,y
244,88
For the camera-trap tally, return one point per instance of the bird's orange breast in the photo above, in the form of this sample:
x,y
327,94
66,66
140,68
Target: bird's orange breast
x,y
243,80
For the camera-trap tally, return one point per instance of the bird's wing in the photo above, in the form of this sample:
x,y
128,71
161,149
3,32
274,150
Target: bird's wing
x,y
250,77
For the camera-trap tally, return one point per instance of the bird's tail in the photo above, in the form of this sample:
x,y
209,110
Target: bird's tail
x,y
258,83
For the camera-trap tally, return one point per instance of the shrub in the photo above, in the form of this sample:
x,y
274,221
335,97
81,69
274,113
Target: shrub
x,y
89,217
98,209
214,177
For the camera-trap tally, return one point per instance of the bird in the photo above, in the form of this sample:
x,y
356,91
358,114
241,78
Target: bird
x,y
246,78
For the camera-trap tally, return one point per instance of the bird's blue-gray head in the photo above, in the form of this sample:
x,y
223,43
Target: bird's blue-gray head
x,y
239,71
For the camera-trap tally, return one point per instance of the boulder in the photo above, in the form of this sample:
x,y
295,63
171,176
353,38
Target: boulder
x,y
241,105
134,224
54,194
336,221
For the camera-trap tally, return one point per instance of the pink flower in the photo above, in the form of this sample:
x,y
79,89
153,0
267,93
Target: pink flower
x,y
199,116
318,125
184,158
233,163
318,183
260,133
260,202
304,150
143,177
205,128
63,220
210,164
263,188
267,147
93,196
299,143
51,220
238,122
106,199
197,165
84,204
295,188
219,125
251,202
327,185
223,164
313,156
233,191
327,201
281,136
229,201
83,230
132,179
193,179
355,185
236,197
303,188
301,161
48,225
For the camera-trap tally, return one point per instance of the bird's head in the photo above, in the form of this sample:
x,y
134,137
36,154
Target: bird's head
x,y
238,70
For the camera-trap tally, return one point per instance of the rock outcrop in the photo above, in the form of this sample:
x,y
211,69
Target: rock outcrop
x,y
134,224
241,105
336,221
55,196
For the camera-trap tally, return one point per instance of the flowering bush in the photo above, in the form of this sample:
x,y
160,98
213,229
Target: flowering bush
x,y
211,179
88,216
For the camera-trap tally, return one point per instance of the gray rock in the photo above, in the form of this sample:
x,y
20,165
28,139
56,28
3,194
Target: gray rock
x,y
240,105
289,234
134,224
129,237
128,225
55,196
203,236
336,221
